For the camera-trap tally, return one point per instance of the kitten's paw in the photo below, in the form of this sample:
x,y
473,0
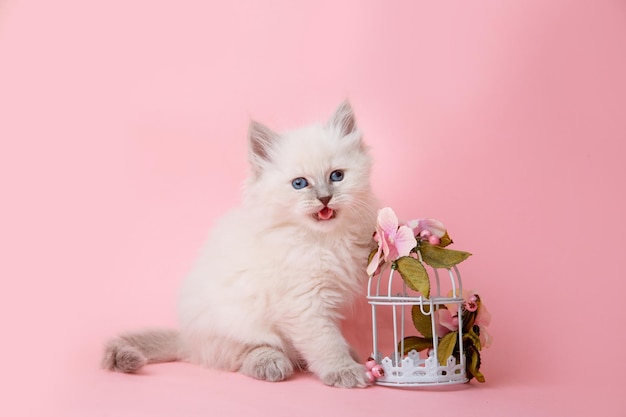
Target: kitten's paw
x,y
268,364
122,357
349,376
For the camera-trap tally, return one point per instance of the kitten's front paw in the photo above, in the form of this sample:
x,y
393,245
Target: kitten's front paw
x,y
267,364
349,376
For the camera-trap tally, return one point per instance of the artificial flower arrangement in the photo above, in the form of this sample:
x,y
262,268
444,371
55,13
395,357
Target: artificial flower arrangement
x,y
407,248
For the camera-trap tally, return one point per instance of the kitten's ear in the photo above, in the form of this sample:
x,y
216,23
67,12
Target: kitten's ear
x,y
343,119
260,140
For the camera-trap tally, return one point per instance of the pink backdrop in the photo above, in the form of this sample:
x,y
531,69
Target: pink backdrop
x,y
122,132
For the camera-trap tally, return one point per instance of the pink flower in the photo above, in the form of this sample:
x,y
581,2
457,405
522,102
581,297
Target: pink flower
x,y
483,319
427,227
471,304
448,320
393,241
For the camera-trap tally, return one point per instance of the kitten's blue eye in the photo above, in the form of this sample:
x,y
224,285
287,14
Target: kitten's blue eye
x,y
299,183
336,176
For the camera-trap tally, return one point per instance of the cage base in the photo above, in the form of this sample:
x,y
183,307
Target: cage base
x,y
420,384
412,371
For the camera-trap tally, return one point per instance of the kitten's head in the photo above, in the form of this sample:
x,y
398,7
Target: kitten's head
x,y
316,176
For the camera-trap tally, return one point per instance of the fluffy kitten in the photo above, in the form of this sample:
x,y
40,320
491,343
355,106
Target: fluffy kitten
x,y
266,294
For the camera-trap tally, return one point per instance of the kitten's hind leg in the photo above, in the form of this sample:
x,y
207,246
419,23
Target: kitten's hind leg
x,y
267,363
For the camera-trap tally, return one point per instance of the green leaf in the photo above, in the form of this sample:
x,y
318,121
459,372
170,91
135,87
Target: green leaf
x,y
446,347
422,322
414,274
469,318
438,257
472,338
416,343
445,240
473,364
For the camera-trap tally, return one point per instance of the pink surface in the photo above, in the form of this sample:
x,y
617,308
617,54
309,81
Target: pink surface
x,y
122,127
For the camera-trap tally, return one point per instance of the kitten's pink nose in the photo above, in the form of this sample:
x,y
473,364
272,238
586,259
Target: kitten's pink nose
x,y
324,200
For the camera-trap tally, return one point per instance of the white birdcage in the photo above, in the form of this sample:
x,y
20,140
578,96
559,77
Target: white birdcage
x,y
392,303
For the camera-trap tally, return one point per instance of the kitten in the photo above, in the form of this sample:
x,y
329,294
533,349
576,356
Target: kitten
x,y
266,294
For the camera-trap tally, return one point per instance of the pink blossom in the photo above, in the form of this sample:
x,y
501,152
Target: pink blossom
x,y
427,227
483,319
393,241
448,320
471,304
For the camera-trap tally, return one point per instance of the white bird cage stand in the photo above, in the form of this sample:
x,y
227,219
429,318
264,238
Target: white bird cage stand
x,y
390,298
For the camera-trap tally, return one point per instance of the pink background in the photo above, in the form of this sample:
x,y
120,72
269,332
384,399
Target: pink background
x,y
122,129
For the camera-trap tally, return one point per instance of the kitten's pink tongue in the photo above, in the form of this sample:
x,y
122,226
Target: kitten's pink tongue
x,y
325,213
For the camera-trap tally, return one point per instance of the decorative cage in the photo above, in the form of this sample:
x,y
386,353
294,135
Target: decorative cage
x,y
392,300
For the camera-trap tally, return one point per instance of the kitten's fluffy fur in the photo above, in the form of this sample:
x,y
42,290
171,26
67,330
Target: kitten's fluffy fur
x,y
266,294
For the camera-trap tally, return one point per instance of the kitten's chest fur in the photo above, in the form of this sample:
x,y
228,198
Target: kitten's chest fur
x,y
319,255
327,270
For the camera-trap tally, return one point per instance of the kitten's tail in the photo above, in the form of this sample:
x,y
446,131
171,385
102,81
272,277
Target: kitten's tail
x,y
131,351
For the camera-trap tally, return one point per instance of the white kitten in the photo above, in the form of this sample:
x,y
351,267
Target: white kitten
x,y
266,294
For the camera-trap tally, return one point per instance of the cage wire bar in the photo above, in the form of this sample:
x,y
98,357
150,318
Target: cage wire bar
x,y
411,370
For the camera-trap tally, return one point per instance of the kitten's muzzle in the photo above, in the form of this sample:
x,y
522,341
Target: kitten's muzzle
x,y
325,214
